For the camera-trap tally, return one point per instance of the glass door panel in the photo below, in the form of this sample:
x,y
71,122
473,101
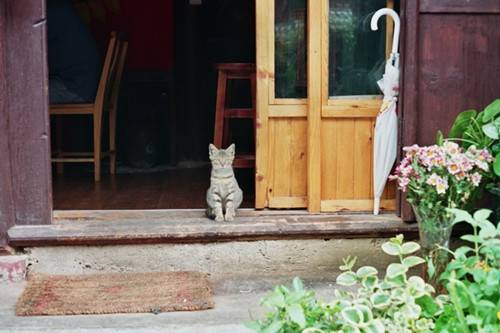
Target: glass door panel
x,y
290,45
356,54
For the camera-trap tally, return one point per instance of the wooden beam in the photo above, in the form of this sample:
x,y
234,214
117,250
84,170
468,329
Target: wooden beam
x,y
189,230
263,17
288,202
355,205
288,111
26,76
409,92
314,79
6,191
460,6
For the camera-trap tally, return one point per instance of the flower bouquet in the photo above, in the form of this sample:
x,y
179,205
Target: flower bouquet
x,y
436,178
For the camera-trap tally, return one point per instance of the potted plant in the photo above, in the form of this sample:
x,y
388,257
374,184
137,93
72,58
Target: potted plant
x,y
436,178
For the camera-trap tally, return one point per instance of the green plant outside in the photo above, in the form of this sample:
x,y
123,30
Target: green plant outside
x,y
482,130
398,303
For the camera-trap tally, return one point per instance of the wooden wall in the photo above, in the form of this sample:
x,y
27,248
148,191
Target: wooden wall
x,y
25,177
451,63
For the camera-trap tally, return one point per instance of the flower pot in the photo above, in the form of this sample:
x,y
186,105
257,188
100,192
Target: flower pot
x,y
434,230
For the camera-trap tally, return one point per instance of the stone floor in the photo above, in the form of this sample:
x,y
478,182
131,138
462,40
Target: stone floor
x,y
236,302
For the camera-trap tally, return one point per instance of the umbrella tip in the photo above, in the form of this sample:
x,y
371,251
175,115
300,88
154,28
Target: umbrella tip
x,y
376,206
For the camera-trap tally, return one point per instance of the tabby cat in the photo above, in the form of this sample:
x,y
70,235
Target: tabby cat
x,y
224,195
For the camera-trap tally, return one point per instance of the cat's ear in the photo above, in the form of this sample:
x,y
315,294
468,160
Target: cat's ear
x,y
231,150
212,150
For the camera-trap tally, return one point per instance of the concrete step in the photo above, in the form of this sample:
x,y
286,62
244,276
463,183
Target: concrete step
x,y
311,258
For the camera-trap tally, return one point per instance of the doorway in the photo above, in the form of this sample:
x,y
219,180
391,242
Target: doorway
x,y
166,105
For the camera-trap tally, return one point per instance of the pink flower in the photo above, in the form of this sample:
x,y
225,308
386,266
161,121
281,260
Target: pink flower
x,y
475,178
433,179
438,182
451,147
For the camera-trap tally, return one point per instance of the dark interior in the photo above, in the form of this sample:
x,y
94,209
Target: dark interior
x,y
166,106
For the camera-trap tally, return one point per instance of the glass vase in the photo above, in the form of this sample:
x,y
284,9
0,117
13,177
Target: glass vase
x,y
434,229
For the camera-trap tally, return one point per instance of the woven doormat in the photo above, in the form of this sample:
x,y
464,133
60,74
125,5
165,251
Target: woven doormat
x,y
115,293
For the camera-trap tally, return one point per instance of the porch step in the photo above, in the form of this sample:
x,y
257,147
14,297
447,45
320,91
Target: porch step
x,y
315,259
191,226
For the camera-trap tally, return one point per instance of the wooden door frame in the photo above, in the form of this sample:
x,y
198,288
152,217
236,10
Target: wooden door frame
x,y
25,170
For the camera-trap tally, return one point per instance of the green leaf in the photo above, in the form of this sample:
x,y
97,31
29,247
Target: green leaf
x,y
492,110
369,282
296,314
488,230
472,238
462,121
431,269
473,320
349,263
275,327
367,313
462,251
491,131
276,299
482,215
395,269
352,315
496,165
376,326
253,325
297,284
391,248
409,247
439,138
461,216
347,279
427,304
380,300
412,261
365,271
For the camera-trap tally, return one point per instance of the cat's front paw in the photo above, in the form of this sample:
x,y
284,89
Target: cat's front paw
x,y
229,215
219,218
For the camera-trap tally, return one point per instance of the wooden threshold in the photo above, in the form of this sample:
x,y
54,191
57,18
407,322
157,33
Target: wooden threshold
x,y
190,226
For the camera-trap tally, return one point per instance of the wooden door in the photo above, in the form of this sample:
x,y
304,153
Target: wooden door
x,y
282,119
315,126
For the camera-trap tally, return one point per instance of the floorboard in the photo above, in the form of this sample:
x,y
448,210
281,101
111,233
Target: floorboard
x,y
169,189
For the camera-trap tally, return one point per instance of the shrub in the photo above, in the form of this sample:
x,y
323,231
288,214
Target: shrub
x,y
395,303
472,279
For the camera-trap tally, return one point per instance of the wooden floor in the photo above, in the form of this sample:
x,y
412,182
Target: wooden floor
x,y
171,189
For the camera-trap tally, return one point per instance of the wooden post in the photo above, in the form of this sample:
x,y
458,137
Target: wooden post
x,y
314,111
262,129
6,203
24,104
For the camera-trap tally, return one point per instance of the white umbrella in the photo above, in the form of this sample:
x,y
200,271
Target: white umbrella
x,y
386,127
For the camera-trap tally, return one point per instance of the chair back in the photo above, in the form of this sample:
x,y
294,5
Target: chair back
x,y
110,61
116,77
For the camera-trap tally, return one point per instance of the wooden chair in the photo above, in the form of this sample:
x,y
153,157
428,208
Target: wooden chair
x,y
223,114
106,100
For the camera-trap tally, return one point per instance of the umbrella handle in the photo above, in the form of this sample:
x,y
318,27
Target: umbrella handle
x,y
397,25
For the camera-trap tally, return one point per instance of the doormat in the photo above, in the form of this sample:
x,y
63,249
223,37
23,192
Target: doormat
x,y
115,293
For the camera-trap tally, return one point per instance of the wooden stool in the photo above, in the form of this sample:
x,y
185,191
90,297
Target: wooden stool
x,y
223,114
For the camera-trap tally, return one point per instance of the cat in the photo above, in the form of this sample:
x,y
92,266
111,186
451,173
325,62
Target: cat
x,y
224,196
